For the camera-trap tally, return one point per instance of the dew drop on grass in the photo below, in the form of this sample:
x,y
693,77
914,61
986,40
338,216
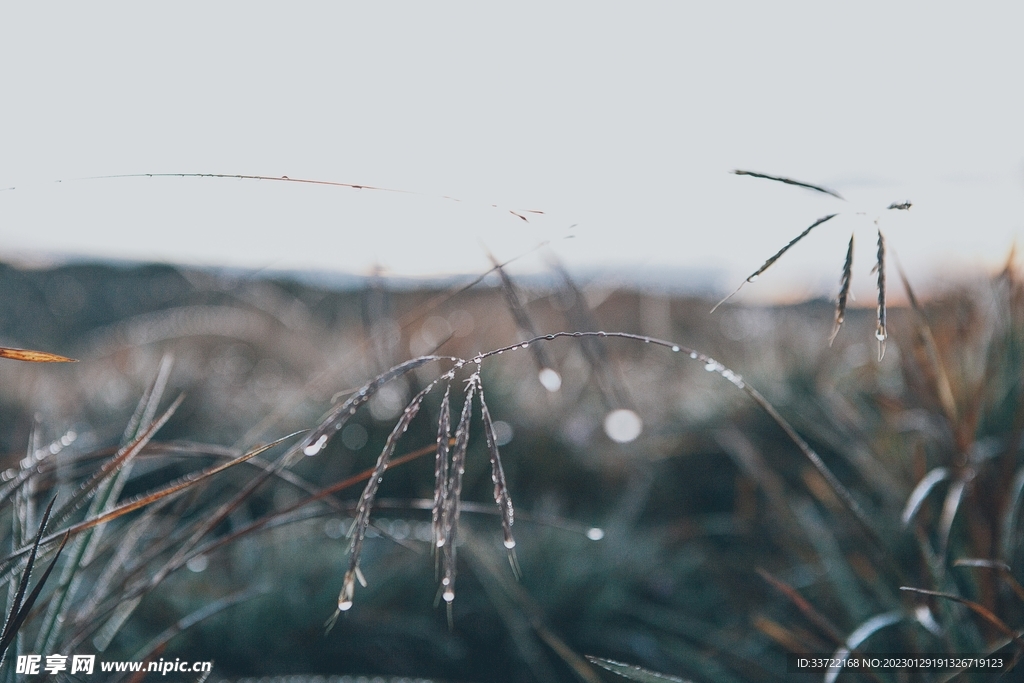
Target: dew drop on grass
x,y
510,543
595,533
344,605
551,380
525,345
693,355
880,335
448,595
198,563
316,446
622,425
675,349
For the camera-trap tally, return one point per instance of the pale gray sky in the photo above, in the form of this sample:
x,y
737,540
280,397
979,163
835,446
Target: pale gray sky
x,y
621,120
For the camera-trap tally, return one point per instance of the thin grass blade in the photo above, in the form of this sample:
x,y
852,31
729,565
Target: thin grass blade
x,y
881,334
790,181
812,615
771,261
633,673
112,466
924,330
921,491
995,565
859,635
16,615
980,610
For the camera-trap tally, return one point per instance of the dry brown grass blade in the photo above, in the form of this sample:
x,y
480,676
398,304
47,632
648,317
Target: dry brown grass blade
x,y
189,550
980,610
790,181
844,292
771,261
320,495
33,356
841,492
144,500
115,464
813,615
995,565
924,331
305,181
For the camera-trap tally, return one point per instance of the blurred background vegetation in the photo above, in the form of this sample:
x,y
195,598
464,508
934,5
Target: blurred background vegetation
x,y
706,548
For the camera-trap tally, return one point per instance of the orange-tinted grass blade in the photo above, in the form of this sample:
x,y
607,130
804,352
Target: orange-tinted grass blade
x,y
33,356
150,498
813,615
980,610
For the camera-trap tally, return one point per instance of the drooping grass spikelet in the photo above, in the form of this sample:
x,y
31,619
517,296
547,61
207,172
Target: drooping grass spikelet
x,y
771,261
362,520
501,494
790,181
453,490
844,292
880,331
444,428
317,439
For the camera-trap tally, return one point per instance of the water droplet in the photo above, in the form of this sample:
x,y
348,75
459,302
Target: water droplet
x,y
525,345
712,365
315,447
622,425
693,355
602,334
448,595
198,563
551,380
510,543
445,581
549,336
344,605
595,534
753,278
675,349
880,334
